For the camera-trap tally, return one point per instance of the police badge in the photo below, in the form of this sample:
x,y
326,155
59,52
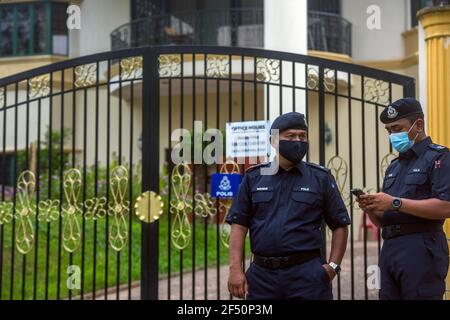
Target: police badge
x,y
391,112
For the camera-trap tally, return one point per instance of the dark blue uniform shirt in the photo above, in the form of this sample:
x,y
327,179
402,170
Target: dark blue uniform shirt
x,y
284,212
421,173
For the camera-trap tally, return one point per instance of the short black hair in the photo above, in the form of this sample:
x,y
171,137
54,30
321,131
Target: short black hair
x,y
414,117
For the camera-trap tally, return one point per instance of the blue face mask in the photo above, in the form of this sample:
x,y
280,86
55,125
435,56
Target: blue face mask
x,y
400,141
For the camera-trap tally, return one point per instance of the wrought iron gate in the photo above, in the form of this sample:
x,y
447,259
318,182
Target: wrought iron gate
x,y
84,141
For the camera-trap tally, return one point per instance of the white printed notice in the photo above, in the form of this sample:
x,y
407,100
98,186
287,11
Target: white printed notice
x,y
248,139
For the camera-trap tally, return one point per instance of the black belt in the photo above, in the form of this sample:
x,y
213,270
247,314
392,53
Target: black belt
x,y
398,230
285,262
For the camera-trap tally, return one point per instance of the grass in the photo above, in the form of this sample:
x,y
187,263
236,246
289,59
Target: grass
x,y
36,283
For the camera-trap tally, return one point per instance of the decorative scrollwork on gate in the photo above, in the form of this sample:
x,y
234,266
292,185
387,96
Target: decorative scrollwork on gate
x,y
329,79
6,214
339,169
48,210
25,210
225,204
376,91
204,206
131,68
268,70
95,208
180,206
385,162
119,208
218,66
312,82
85,75
170,65
39,86
71,211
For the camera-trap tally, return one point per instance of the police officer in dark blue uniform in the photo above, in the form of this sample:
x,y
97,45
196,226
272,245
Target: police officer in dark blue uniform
x,y
284,210
412,208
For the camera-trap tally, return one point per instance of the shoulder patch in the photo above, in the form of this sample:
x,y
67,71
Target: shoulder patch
x,y
252,168
438,148
313,165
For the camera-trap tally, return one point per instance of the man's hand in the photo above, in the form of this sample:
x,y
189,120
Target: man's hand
x,y
376,203
237,284
330,271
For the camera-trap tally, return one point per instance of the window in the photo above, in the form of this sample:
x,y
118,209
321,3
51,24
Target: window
x,y
33,28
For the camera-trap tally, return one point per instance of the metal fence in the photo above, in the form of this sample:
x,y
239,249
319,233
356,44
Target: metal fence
x,y
87,139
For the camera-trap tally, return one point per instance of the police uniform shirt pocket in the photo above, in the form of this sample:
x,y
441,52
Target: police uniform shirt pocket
x,y
415,183
416,177
261,197
389,181
306,195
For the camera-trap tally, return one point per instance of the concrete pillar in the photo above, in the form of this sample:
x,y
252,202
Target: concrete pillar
x,y
435,22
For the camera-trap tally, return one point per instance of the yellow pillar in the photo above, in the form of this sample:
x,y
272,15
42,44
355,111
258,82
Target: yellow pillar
x,y
436,25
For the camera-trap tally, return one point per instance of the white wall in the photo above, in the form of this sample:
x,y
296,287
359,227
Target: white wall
x,y
385,43
286,29
98,19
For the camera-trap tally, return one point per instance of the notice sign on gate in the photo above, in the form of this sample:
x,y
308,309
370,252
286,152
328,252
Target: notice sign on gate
x,y
248,139
224,186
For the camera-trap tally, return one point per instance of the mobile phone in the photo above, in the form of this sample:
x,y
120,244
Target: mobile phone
x,y
357,192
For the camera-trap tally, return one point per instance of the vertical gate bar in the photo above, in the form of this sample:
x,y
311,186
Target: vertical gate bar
x,y
322,144
293,88
352,262
230,119
205,226
74,113
83,221
38,176
49,194
217,225
94,257
120,163
181,126
169,182
27,167
108,160
307,103
61,185
11,292
363,117
130,216
409,89
281,87
205,70
243,119
377,155
192,163
2,228
336,125
150,172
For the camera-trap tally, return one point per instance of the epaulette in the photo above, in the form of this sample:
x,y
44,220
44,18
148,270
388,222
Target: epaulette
x,y
318,167
438,148
252,168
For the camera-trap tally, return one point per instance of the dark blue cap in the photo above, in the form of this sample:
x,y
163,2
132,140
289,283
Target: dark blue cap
x,y
400,109
291,120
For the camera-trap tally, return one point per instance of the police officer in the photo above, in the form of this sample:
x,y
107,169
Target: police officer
x,y
284,212
412,208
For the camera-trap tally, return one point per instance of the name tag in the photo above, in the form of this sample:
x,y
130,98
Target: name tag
x,y
304,189
416,170
262,189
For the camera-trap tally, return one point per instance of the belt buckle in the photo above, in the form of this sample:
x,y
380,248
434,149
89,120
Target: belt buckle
x,y
397,229
275,263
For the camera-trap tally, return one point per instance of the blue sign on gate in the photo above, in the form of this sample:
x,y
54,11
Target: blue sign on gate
x,y
224,186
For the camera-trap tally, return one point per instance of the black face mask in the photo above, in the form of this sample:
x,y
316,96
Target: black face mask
x,y
294,151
